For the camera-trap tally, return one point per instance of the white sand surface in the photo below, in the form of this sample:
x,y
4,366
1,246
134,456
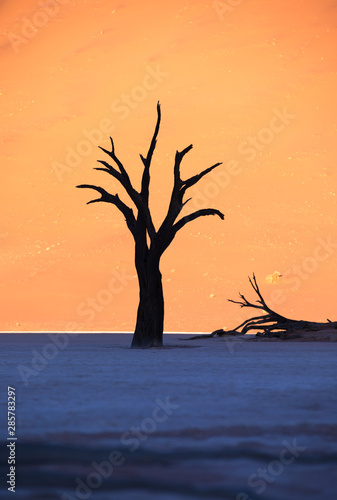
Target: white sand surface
x,y
208,418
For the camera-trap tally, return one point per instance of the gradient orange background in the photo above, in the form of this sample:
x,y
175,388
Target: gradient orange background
x,y
221,77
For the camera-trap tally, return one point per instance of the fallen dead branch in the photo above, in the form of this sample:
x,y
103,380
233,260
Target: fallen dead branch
x,y
270,324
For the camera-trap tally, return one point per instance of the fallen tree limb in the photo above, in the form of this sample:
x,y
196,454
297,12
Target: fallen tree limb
x,y
271,324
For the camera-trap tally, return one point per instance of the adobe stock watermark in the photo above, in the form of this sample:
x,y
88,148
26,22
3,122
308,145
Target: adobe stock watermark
x,y
88,309
41,358
297,273
222,8
248,149
48,9
264,476
131,440
232,342
95,304
122,107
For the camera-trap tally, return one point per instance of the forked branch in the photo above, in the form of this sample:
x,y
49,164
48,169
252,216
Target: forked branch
x,y
115,200
169,227
260,303
188,218
120,165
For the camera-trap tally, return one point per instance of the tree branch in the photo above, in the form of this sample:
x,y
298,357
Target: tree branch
x,y
147,161
177,162
115,200
117,161
122,176
124,179
196,178
110,170
179,189
189,218
200,213
261,301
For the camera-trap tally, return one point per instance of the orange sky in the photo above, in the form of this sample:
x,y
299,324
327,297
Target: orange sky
x,y
253,86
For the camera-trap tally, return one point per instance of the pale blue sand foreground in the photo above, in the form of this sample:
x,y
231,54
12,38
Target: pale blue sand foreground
x,y
207,418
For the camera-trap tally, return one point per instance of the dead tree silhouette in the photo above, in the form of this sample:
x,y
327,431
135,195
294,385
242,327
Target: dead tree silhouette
x,y
150,243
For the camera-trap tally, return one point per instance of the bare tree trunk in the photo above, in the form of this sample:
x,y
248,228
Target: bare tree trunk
x,y
150,315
